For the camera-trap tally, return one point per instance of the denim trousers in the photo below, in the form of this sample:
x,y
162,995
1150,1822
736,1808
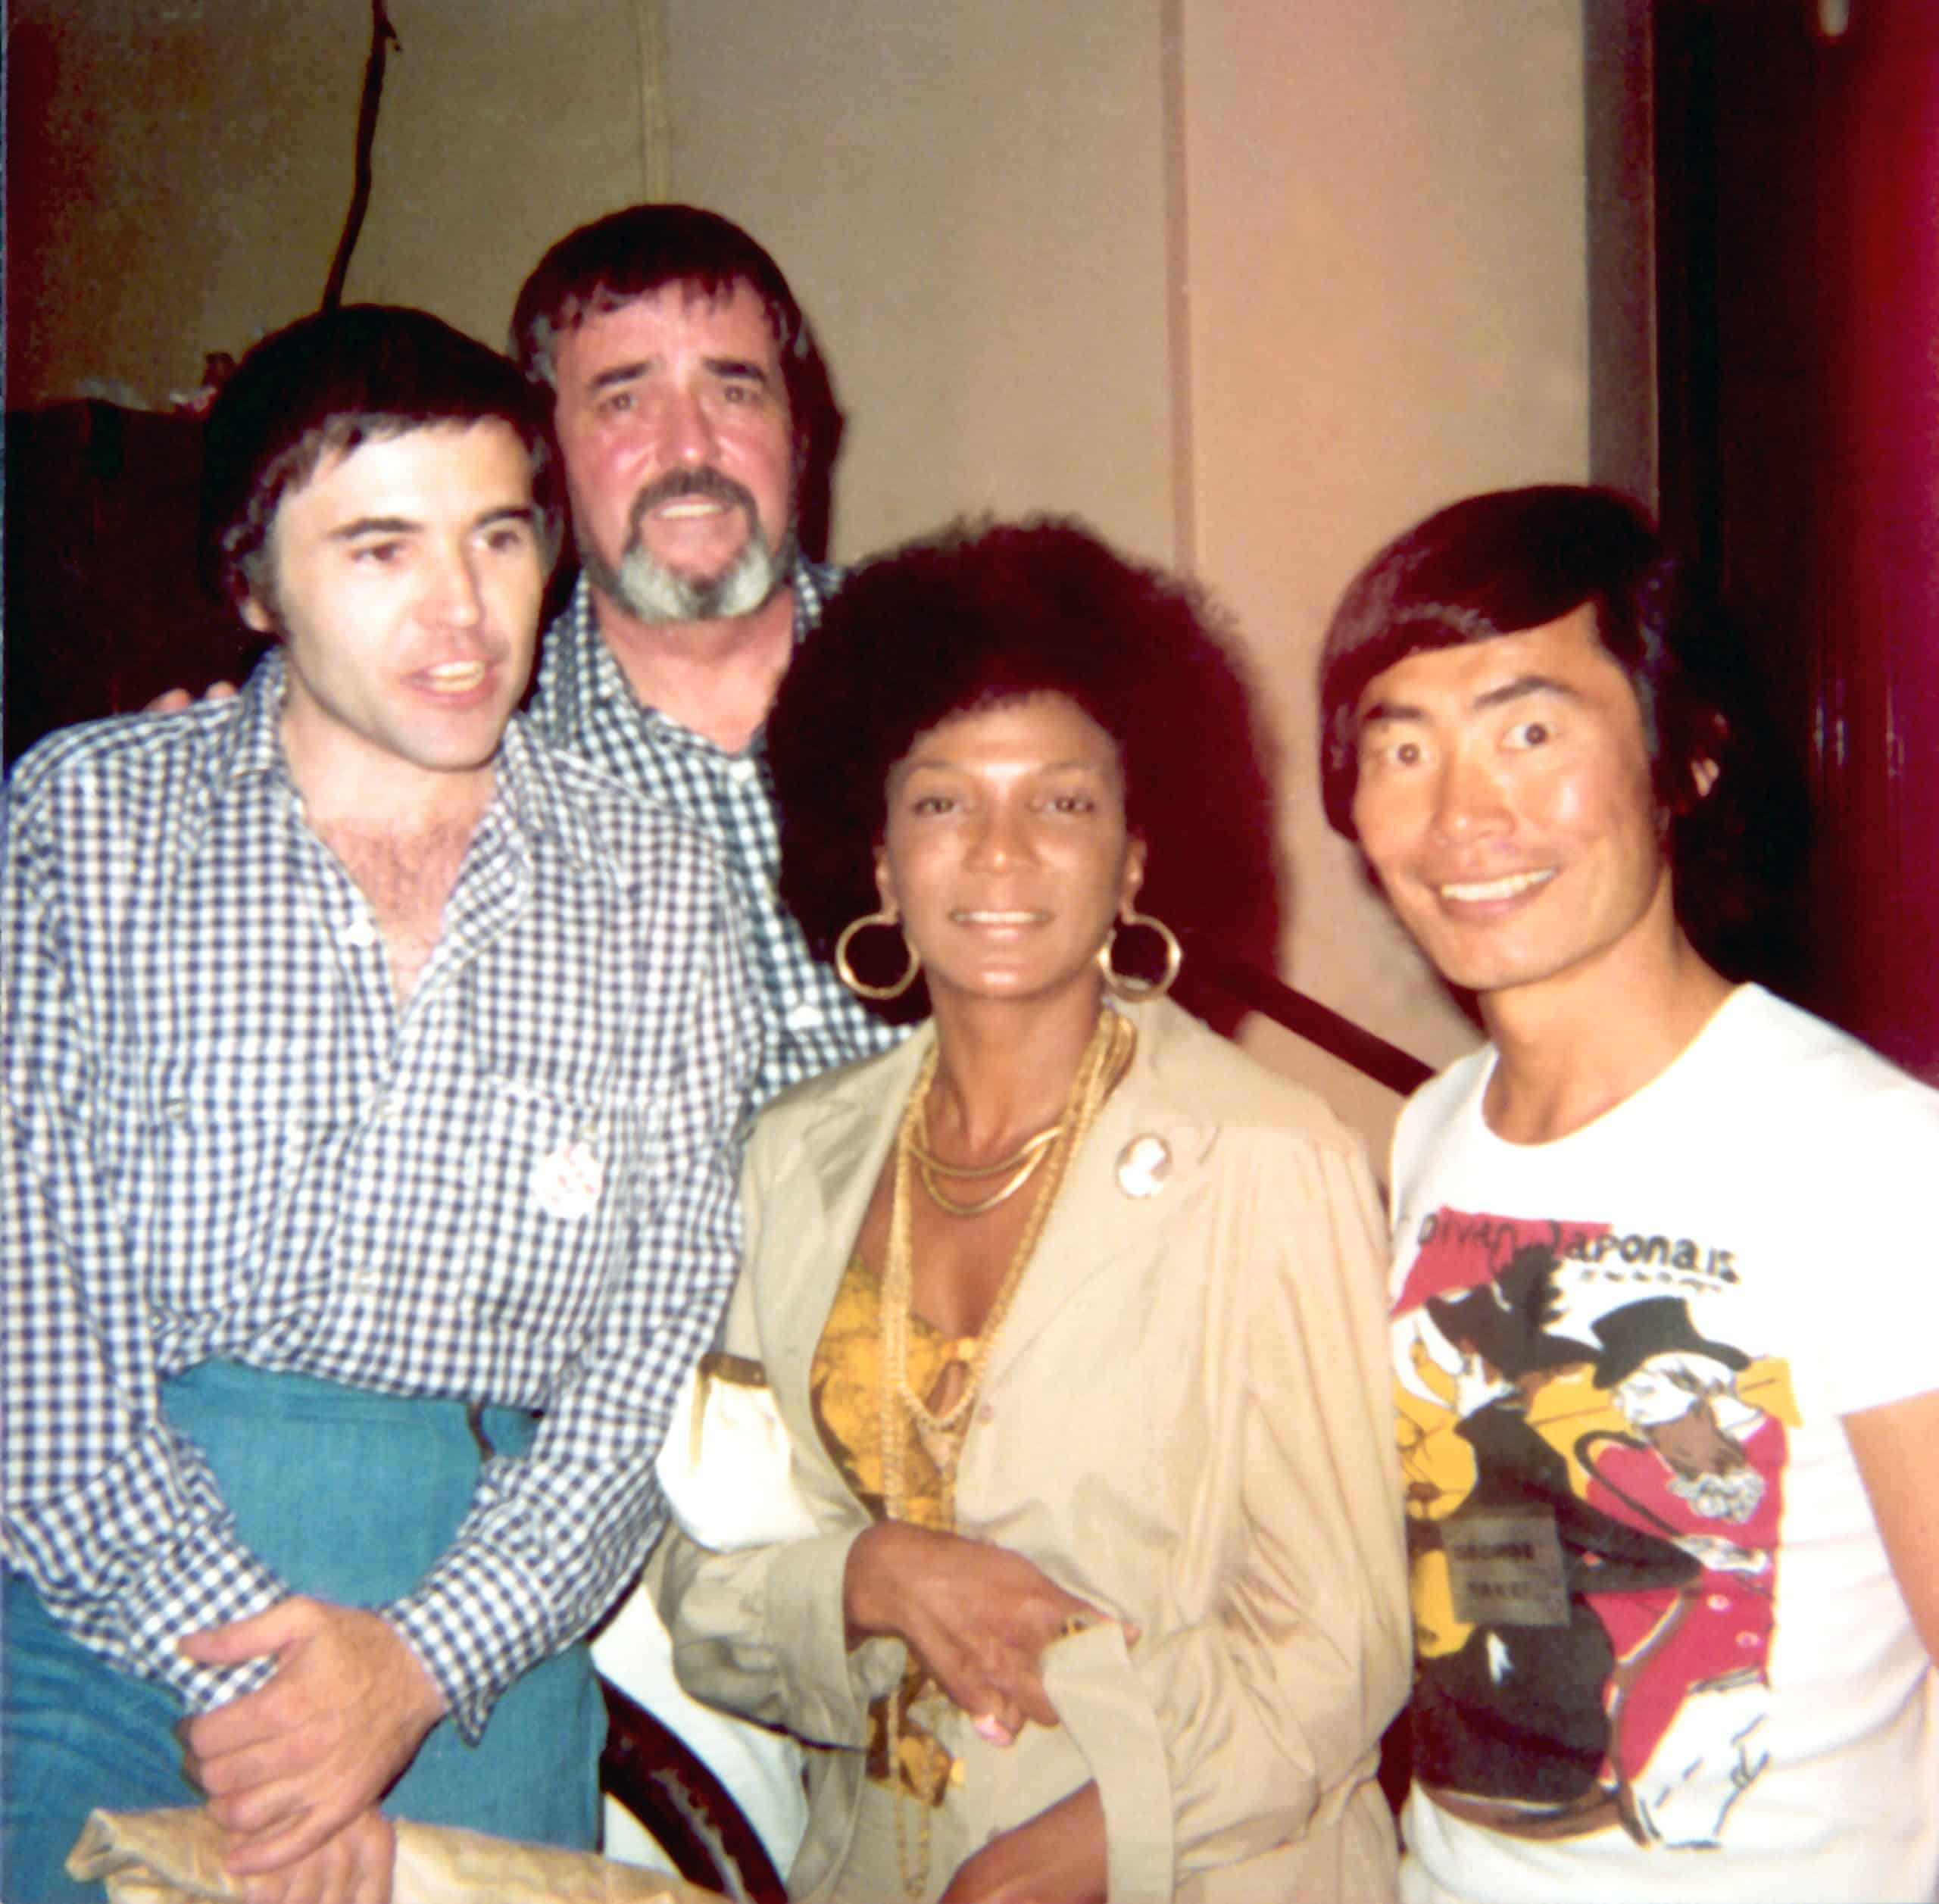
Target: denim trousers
x,y
350,1496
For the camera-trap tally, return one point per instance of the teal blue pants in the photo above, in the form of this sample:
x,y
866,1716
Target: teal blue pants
x,y
352,1498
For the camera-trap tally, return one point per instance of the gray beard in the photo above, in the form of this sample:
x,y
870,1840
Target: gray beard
x,y
650,591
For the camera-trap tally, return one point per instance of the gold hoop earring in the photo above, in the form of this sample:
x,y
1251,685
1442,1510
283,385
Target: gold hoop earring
x,y
1122,985
846,973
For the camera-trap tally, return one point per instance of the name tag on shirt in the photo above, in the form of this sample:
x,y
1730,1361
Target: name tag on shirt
x,y
1504,1564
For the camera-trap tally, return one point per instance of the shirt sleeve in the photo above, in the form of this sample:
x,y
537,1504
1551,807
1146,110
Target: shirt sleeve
x,y
1869,1226
118,1523
551,1537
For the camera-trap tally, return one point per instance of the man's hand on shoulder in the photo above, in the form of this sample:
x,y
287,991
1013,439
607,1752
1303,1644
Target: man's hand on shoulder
x,y
173,700
288,1766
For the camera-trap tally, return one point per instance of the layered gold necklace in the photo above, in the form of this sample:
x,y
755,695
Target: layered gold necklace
x,y
904,1413
1021,1164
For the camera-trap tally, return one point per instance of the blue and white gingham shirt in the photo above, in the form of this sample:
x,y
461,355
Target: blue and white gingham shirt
x,y
226,1139
810,1023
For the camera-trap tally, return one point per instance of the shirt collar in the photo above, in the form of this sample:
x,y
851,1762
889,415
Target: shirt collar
x,y
529,787
247,746
533,794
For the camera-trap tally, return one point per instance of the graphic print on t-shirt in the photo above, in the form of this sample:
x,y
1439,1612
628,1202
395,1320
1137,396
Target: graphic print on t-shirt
x,y
1594,1483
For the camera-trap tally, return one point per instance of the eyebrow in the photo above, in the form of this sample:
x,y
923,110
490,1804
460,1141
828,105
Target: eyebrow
x,y
615,374
942,763
349,532
1519,688
363,525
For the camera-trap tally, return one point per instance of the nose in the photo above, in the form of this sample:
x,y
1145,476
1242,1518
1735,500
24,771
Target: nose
x,y
1002,835
686,430
1469,802
456,597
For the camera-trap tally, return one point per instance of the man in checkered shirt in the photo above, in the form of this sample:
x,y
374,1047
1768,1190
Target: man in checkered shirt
x,y
685,388
372,1070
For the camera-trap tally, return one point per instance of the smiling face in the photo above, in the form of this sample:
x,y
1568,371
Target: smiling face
x,y
1005,852
404,580
673,420
1504,799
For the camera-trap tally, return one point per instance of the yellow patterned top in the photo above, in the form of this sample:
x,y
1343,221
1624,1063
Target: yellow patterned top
x,y
845,1391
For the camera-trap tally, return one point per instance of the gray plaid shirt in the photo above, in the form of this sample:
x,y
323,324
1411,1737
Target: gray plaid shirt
x,y
810,1023
225,1138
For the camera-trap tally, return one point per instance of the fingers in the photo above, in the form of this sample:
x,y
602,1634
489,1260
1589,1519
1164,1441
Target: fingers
x,y
293,1838
255,1766
1012,1692
270,1632
352,1866
175,699
978,1616
288,1766
250,1803
255,1720
1033,1702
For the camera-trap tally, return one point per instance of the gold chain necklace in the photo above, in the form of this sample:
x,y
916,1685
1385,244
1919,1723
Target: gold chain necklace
x,y
903,1412
1022,1163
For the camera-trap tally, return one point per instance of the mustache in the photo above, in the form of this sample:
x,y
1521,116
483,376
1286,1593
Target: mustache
x,y
677,484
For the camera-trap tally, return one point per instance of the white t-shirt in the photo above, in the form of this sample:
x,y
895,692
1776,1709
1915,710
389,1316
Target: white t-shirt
x,y
1661,1652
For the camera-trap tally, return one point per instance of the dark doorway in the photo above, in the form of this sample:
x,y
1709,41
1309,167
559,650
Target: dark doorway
x,y
1797,172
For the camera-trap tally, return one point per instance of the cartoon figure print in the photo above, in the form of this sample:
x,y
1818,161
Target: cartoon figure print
x,y
1592,1502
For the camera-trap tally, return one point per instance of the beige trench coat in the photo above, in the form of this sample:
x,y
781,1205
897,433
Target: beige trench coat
x,y
1186,1420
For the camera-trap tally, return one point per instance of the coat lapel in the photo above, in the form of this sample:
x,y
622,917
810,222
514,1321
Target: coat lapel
x,y
1096,1224
843,1136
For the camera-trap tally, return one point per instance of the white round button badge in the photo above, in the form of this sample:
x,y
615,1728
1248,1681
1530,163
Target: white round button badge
x,y
1143,1165
567,1182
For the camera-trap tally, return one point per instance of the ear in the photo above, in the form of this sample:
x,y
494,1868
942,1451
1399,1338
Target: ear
x,y
1133,874
885,885
1704,773
253,612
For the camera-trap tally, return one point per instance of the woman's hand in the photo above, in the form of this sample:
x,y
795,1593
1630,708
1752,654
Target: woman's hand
x,y
978,1617
1058,1857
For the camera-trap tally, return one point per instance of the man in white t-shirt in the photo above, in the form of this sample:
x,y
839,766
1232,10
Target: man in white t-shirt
x,y
1667,1409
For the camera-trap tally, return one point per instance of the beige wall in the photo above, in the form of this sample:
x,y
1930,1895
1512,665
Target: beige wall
x,y
969,201
179,172
1348,285
1250,283
1386,244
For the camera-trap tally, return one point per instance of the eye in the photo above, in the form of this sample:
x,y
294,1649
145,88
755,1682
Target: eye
x,y
508,538
1072,803
616,403
1391,750
931,803
378,555
1530,733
